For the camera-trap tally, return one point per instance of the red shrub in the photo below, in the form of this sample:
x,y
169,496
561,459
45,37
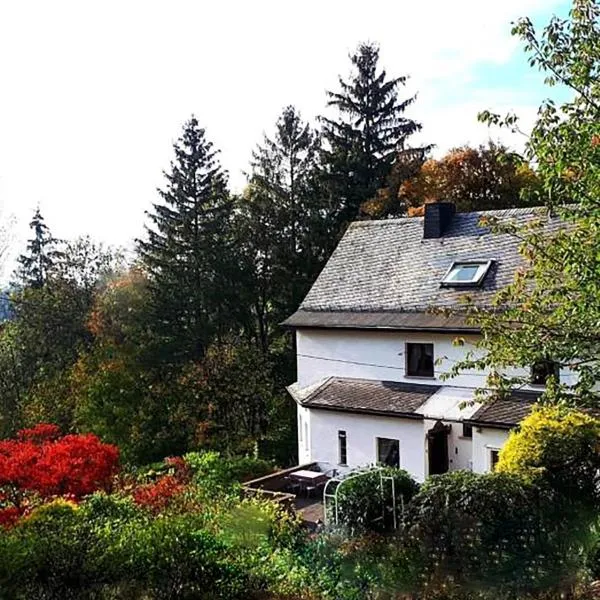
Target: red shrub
x,y
9,516
40,461
157,496
43,432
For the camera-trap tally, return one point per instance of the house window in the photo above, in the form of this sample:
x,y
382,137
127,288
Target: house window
x,y
342,448
467,430
494,454
299,427
542,371
306,436
419,360
388,452
466,274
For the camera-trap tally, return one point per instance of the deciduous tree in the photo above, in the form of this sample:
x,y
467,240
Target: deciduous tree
x,y
552,310
484,178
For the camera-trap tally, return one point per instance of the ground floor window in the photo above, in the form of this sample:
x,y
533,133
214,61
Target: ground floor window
x,y
494,455
342,448
388,452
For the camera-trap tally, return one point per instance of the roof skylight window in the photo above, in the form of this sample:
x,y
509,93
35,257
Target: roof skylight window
x,y
466,274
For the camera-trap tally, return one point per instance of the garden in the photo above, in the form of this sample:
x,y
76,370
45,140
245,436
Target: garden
x,y
78,524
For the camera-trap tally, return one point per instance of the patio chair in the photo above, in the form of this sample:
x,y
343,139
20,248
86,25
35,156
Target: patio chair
x,y
292,486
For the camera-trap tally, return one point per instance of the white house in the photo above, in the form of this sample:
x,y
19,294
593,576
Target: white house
x,y
370,350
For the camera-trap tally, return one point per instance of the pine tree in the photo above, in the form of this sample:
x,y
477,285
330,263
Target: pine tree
x,y
185,249
366,139
42,255
282,222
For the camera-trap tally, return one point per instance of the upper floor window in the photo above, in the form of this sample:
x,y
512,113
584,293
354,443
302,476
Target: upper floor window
x,y
542,371
466,274
419,360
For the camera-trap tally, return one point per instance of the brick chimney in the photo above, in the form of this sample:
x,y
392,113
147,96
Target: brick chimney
x,y
438,216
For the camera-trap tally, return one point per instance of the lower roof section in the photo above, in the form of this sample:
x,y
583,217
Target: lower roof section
x,y
414,401
406,321
365,396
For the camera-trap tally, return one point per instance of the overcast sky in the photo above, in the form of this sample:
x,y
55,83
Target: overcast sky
x,y
93,94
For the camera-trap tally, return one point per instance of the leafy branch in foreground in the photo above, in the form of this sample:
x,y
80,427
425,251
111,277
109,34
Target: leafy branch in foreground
x,y
551,312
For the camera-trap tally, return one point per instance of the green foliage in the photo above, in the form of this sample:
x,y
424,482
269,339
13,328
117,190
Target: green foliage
x,y
495,535
186,249
281,226
211,470
45,336
366,502
552,310
43,252
107,548
363,144
560,447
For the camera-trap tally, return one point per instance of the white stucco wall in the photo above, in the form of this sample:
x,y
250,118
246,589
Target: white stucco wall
x,y
484,440
460,449
372,355
361,433
380,355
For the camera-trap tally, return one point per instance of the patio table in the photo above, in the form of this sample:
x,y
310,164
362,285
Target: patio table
x,y
308,476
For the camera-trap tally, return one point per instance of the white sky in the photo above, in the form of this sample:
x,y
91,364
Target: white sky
x,y
92,93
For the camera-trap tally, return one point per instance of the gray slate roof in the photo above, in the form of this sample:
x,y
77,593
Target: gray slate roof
x,y
387,267
366,396
505,413
398,399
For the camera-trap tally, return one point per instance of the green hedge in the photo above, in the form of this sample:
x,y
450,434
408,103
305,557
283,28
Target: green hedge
x,y
107,548
213,469
365,502
495,535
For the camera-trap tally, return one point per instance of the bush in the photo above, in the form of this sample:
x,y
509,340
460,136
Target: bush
x,y
560,447
496,535
108,548
365,502
215,472
41,464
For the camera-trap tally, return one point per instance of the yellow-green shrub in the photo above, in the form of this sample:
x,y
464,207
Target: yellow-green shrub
x,y
559,446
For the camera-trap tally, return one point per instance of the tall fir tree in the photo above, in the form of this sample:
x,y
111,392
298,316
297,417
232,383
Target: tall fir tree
x,y
282,222
365,140
185,250
43,253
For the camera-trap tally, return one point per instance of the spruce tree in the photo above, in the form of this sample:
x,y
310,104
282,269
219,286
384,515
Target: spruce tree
x,y
185,250
282,221
42,255
365,140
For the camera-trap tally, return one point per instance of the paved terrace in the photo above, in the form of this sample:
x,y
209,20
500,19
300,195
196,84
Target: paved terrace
x,y
275,486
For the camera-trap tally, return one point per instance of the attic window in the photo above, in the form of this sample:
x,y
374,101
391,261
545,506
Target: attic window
x,y
466,274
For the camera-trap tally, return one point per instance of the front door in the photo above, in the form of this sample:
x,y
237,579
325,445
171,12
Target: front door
x,y
437,445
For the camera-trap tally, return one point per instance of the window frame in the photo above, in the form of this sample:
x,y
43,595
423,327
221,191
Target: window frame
x,y
342,448
407,345
491,463
377,450
467,431
482,271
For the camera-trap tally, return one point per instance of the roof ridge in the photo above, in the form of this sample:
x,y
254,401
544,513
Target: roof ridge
x,y
409,219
